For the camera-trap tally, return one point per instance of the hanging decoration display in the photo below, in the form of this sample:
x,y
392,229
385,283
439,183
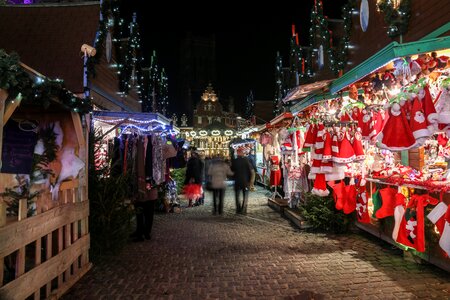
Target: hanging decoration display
x,y
396,14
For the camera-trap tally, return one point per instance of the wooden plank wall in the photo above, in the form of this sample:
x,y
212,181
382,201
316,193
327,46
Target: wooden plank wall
x,y
49,251
426,16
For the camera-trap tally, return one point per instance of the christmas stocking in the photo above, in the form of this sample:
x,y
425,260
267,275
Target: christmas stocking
x,y
362,211
444,242
376,200
388,203
436,216
350,199
338,193
399,212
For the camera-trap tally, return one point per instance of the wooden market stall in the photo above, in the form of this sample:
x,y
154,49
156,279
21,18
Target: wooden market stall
x,y
44,207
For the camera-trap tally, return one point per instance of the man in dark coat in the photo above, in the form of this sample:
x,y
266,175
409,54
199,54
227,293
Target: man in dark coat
x,y
242,170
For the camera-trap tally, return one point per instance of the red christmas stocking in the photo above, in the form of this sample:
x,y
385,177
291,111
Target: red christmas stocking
x,y
444,242
350,199
362,211
338,193
388,203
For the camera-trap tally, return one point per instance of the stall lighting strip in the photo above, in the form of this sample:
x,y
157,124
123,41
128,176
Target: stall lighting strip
x,y
119,120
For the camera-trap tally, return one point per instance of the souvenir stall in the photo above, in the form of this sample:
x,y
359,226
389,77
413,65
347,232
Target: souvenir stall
x,y
125,134
44,207
383,155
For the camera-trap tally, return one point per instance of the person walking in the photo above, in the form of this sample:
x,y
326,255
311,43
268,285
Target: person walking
x,y
218,172
251,158
242,169
194,174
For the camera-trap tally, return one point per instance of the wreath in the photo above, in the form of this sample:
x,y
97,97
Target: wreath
x,y
396,17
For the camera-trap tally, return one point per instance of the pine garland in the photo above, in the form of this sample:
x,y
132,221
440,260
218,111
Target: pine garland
x,y
17,82
396,18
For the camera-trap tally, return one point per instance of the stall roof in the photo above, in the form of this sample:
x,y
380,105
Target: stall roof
x,y
389,53
279,118
132,117
304,90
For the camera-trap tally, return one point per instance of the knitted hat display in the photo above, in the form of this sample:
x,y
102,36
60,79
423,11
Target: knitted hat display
x,y
444,241
335,144
346,153
311,135
387,203
443,106
428,108
327,146
357,145
396,134
418,123
320,186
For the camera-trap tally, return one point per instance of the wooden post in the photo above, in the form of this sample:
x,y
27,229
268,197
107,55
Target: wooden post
x,y
48,255
60,249
23,209
2,213
37,258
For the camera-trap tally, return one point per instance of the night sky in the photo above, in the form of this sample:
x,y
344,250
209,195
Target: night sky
x,y
247,39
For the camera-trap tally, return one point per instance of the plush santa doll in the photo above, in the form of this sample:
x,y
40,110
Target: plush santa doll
x,y
418,123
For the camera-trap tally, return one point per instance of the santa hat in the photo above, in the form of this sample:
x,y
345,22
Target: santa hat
x,y
417,121
443,107
357,145
346,153
396,134
320,186
379,121
365,122
311,135
428,107
335,144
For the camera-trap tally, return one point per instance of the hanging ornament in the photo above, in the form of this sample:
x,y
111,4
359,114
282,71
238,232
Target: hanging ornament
x,y
364,15
108,46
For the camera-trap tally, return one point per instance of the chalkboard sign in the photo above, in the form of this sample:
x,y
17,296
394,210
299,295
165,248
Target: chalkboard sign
x,y
18,148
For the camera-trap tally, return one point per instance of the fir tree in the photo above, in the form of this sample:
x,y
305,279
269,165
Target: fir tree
x,y
278,84
249,106
163,94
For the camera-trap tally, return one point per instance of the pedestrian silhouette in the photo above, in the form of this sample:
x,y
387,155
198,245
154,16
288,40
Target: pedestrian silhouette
x,y
242,169
218,172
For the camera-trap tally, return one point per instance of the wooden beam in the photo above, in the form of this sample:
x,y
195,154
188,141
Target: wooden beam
x,y
10,108
78,129
3,97
33,280
18,234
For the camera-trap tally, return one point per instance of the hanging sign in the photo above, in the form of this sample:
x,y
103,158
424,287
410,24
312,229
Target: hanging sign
x,y
18,148
364,15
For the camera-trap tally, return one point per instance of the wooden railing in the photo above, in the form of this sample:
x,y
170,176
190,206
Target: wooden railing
x,y
44,255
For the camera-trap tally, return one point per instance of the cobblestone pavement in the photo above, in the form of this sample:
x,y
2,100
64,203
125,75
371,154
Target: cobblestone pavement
x,y
195,255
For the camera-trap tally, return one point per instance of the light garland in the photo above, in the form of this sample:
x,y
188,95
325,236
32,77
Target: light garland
x,y
120,120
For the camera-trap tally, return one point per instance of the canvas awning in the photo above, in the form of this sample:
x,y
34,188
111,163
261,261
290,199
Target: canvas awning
x,y
389,53
304,90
